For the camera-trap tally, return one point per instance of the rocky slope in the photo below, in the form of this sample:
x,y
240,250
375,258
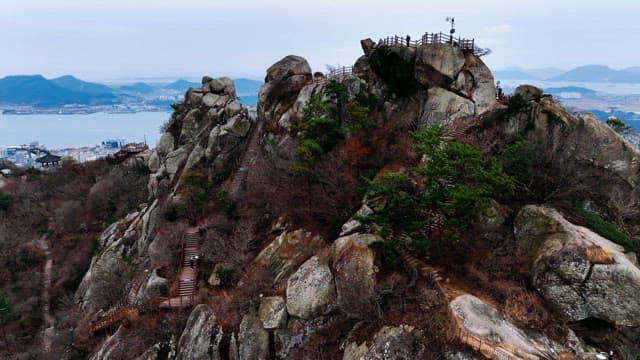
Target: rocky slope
x,y
282,286
298,262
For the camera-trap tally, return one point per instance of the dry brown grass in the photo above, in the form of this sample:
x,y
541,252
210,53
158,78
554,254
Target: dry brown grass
x,y
598,255
565,356
525,307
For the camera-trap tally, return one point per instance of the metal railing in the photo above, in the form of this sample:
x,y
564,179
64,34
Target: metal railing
x,y
466,45
431,39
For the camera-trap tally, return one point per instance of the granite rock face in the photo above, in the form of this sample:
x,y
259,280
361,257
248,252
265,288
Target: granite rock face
x,y
283,83
401,342
253,339
443,82
577,270
197,335
355,274
273,312
475,317
311,290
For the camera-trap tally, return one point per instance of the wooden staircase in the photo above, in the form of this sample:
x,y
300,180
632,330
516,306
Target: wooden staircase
x,y
111,322
183,292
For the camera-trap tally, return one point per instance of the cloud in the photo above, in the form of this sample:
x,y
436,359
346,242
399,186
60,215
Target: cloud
x,y
504,28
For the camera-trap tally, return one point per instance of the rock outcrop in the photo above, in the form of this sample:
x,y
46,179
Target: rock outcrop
x,y
577,270
253,339
112,348
121,239
333,287
283,82
287,251
311,290
478,319
273,312
401,342
209,127
443,82
196,340
355,274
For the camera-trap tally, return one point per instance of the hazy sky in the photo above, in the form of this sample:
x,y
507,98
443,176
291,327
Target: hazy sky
x,y
112,39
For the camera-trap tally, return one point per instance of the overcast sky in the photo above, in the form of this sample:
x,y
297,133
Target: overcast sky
x,y
113,39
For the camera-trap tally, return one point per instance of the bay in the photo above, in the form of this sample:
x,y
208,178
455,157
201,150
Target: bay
x,y
74,131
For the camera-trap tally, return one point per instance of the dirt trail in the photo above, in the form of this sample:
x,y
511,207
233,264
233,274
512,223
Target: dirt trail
x,y
49,321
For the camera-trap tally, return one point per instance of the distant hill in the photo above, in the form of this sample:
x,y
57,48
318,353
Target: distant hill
x,y
599,73
517,73
545,73
249,100
633,69
630,118
247,86
72,83
37,91
139,88
570,89
514,74
182,85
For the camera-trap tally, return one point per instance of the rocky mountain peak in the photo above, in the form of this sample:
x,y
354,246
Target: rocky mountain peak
x,y
390,208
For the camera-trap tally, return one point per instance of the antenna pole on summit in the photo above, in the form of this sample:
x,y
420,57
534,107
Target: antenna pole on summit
x,y
453,30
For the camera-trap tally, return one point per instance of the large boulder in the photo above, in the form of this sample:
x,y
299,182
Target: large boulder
x,y
112,348
273,312
161,350
401,342
175,160
238,125
220,86
288,66
353,224
478,321
578,271
444,107
191,123
211,99
528,92
367,46
311,290
483,89
283,82
438,65
198,333
355,274
287,251
152,288
253,339
166,144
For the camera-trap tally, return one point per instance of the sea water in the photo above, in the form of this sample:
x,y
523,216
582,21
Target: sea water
x,y
74,131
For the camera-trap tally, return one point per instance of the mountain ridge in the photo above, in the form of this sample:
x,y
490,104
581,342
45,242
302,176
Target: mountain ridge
x,y
39,92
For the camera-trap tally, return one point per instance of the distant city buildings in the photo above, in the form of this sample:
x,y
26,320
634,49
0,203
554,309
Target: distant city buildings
x,y
26,155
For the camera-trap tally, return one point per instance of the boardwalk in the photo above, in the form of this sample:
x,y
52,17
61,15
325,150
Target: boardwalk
x,y
488,348
111,322
183,293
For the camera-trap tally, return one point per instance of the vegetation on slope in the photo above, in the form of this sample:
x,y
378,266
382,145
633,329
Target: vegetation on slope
x,y
454,183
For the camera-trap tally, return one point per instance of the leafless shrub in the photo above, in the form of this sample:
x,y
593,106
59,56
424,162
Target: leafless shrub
x,y
68,216
164,249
